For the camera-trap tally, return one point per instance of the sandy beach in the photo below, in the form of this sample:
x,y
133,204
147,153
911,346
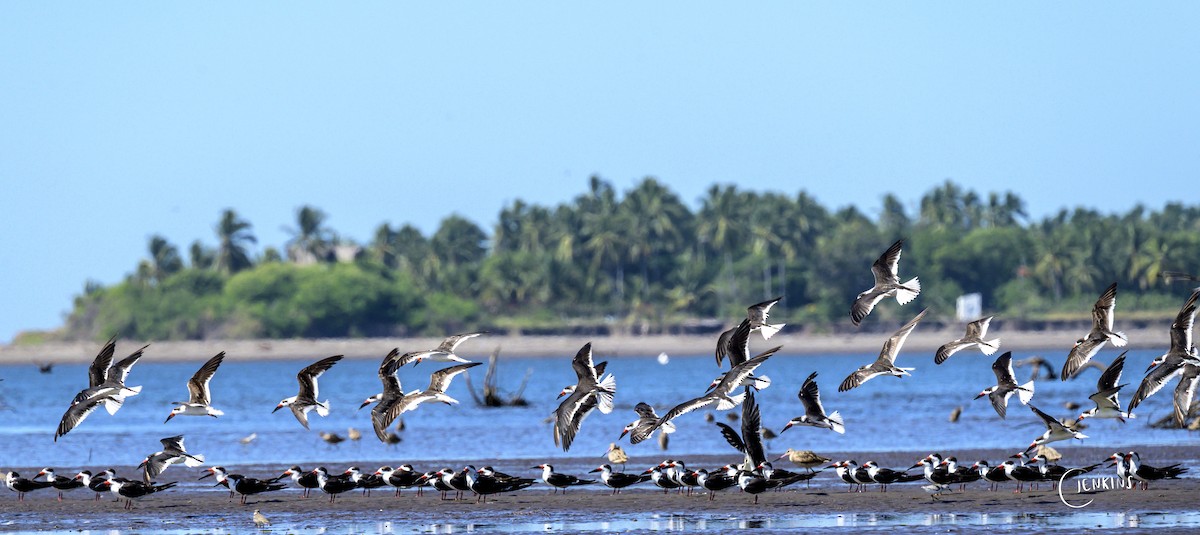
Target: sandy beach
x,y
518,346
195,506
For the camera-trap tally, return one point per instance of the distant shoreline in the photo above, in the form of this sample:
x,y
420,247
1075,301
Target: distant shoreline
x,y
605,346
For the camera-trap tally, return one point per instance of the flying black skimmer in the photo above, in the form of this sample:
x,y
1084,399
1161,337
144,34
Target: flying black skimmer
x,y
1102,332
1006,385
722,396
331,485
749,440
60,483
560,481
590,392
1180,359
734,344
445,351
305,479
814,413
644,427
993,476
388,378
199,394
618,480
886,363
714,482
389,398
306,399
106,386
1146,473
134,490
20,485
976,330
245,486
393,404
886,476
1107,389
887,284
173,452
1055,431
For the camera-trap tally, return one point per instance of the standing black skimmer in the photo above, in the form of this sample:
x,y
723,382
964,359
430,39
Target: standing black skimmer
x,y
1006,385
172,452
1055,473
887,476
722,397
1146,473
814,413
1105,398
961,474
843,470
367,482
305,479
199,394
95,483
60,483
134,490
1180,359
245,486
661,479
886,363
1055,431
20,485
560,481
1021,474
618,480
714,482
644,427
106,386
778,478
994,476
1102,332
306,399
483,485
590,391
976,330
402,477
333,486
445,351
752,483
935,471
887,284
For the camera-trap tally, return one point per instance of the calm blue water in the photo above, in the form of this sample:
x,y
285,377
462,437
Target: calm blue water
x,y
886,414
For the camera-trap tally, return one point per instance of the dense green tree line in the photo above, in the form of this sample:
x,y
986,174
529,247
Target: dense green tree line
x,y
643,260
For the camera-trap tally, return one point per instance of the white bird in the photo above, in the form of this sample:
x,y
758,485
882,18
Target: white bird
x,y
1102,332
199,393
887,284
1107,389
1055,431
976,330
306,399
814,413
588,393
1006,384
173,452
1180,359
886,362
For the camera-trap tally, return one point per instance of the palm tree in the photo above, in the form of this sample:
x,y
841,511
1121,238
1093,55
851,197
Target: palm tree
x,y
201,256
164,258
657,223
310,238
233,237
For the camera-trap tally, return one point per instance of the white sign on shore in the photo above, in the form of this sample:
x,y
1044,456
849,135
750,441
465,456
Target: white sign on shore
x,y
969,307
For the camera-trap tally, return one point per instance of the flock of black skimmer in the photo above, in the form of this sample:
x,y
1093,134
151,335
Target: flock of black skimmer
x,y
596,387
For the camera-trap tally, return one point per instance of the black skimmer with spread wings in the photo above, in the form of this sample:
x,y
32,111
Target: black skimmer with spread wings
x,y
1180,359
814,413
445,351
722,396
1055,431
1006,385
887,284
734,343
976,330
199,394
644,427
173,452
391,407
886,363
1107,389
306,399
106,386
589,392
749,440
1102,332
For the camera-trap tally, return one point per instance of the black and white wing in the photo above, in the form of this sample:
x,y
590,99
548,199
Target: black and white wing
x,y
752,432
1051,422
1184,393
810,396
76,414
1003,370
307,378
452,342
120,371
892,347
387,373
1181,328
198,389
582,363
98,371
1156,379
439,381
738,373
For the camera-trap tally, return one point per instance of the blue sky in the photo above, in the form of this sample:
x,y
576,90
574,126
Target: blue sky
x,y
120,121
